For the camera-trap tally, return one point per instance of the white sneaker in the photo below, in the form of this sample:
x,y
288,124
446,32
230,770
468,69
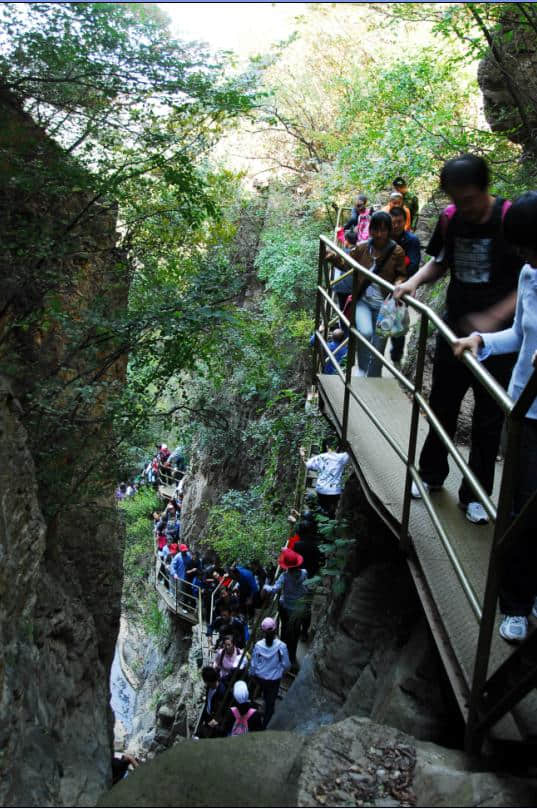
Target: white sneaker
x,y
476,513
514,628
415,492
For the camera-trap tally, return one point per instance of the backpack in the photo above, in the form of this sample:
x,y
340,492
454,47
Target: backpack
x,y
362,228
449,212
240,726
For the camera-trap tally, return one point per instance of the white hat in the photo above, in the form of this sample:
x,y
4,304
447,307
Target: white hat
x,y
240,691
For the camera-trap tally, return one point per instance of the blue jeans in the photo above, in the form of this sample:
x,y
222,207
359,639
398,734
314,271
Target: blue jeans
x,y
366,318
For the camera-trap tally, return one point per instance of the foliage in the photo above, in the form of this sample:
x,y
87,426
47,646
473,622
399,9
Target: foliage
x,y
242,529
139,545
287,258
336,549
401,103
154,618
131,115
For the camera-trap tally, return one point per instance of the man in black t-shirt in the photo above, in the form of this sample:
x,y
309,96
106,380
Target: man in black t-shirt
x,y
481,296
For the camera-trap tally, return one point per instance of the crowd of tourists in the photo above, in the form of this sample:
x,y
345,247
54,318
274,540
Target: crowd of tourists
x,y
233,596
488,246
382,241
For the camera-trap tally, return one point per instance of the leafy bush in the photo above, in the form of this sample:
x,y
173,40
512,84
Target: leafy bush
x,y
336,548
137,512
241,528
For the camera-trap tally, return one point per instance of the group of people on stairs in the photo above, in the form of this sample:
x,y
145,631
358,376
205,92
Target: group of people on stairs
x,y
246,589
383,242
484,240
241,589
488,246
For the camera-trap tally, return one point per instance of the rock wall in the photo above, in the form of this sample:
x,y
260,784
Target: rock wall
x,y
170,689
507,78
60,540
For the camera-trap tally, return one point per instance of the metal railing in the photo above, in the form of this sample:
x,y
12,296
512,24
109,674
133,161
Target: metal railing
x,y
482,712
169,475
181,596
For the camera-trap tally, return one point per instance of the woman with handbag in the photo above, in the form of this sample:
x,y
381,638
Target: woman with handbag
x,y
383,256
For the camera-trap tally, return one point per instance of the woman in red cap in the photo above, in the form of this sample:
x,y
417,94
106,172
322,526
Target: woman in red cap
x,y
294,598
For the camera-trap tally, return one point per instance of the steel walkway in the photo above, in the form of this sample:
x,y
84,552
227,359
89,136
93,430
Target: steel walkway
x,y
456,566
382,474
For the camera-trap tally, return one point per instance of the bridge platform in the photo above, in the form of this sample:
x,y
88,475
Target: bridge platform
x,y
382,475
185,607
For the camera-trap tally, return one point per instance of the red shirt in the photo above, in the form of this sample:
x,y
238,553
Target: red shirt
x,y
292,542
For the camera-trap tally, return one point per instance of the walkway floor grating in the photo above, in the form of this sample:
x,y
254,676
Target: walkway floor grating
x,y
384,474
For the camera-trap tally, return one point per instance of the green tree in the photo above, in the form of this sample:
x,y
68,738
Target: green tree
x,y
130,116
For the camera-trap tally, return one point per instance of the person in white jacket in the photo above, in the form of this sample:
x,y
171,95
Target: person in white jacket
x,y
270,661
518,583
329,466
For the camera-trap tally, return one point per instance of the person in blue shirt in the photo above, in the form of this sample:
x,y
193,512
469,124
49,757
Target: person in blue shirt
x,y
412,249
182,562
248,589
335,338
295,602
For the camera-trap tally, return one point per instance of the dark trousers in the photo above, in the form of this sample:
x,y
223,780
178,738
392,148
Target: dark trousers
x,y
291,623
341,297
451,380
269,689
397,349
328,503
518,586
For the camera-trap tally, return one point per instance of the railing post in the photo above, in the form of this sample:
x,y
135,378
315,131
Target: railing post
x,y
322,253
414,424
473,738
351,350
326,308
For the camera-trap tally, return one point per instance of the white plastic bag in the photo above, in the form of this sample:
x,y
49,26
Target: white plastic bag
x,y
393,319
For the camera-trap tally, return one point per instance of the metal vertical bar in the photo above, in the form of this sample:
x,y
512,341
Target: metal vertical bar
x,y
350,359
326,309
474,736
322,253
414,424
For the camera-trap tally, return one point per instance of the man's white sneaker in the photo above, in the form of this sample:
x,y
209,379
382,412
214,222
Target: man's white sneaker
x,y
415,492
476,513
514,628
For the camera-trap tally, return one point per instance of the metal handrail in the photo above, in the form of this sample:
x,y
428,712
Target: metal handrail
x,y
514,414
189,600
166,479
477,369
484,376
213,594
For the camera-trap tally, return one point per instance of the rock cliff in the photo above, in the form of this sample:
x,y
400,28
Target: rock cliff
x,y
507,79
60,541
